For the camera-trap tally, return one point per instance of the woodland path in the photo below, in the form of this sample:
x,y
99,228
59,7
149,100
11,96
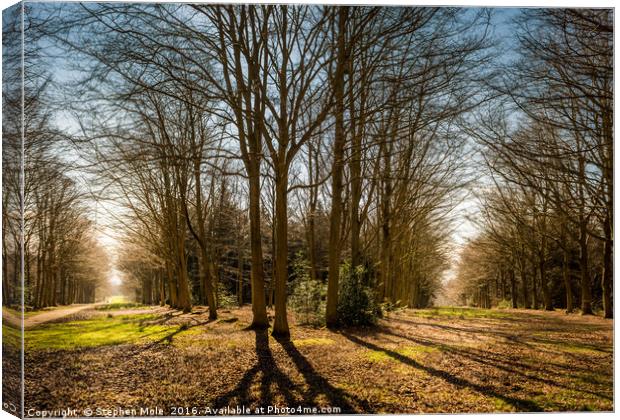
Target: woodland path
x,y
55,314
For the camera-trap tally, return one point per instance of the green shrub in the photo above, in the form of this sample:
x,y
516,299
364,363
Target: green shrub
x,y
356,303
307,297
225,299
504,304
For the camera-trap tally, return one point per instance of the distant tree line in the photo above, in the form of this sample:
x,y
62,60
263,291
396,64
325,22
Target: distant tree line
x,y
547,215
43,209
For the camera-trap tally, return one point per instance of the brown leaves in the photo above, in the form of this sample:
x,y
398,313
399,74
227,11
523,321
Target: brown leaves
x,y
529,361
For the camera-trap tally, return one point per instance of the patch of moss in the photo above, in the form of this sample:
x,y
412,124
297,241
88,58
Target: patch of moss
x,y
412,352
319,341
583,348
571,400
502,406
95,332
460,313
596,379
573,347
11,336
189,337
381,395
415,351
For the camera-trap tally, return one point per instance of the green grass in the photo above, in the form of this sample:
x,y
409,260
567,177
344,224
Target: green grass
x,y
11,336
319,341
570,400
193,337
573,347
411,352
100,331
461,313
120,305
501,406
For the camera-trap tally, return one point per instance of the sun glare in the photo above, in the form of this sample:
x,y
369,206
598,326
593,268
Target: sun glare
x,y
115,279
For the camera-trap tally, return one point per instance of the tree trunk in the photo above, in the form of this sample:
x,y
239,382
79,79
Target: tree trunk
x,y
183,297
356,183
545,287
172,285
535,299
240,280
586,292
206,280
280,325
313,175
259,309
607,276
513,288
331,310
526,301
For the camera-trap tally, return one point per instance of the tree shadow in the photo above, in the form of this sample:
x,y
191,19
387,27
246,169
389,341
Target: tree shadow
x,y
580,345
318,385
518,403
509,337
168,338
167,316
505,364
271,375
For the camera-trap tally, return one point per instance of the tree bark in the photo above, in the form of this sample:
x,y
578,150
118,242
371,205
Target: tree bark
x,y
607,276
513,288
280,325
331,311
586,292
259,309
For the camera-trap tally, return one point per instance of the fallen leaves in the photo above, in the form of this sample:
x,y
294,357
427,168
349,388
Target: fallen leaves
x,y
437,362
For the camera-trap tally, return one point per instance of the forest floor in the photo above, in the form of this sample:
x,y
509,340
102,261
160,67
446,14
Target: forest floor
x,y
443,360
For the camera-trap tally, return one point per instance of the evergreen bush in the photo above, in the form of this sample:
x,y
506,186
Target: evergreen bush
x,y
307,298
356,303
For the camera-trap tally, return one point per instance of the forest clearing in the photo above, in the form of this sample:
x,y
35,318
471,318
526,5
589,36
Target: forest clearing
x,y
448,360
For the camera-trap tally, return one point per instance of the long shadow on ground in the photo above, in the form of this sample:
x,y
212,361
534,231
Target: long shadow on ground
x,y
271,374
508,365
319,385
518,403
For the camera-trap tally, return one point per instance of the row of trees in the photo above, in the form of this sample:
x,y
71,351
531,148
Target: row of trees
x,y
547,215
45,231
226,139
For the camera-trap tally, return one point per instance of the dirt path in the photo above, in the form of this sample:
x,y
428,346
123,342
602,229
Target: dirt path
x,y
54,314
